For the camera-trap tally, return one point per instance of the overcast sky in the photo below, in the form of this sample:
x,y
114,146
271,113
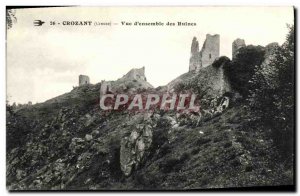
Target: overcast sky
x,y
44,62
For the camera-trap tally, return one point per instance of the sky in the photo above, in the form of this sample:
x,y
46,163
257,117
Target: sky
x,y
45,61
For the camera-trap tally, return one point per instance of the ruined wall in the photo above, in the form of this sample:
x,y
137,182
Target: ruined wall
x,y
210,50
195,55
134,79
213,81
236,45
83,79
137,74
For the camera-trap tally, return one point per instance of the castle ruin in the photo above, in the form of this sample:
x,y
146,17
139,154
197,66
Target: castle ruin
x,y
209,52
83,80
236,45
137,74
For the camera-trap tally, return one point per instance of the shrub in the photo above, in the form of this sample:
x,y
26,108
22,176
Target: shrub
x,y
272,99
114,151
221,61
174,164
242,68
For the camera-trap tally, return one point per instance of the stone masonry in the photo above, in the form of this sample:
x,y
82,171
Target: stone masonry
x,y
137,74
83,80
195,55
210,51
236,45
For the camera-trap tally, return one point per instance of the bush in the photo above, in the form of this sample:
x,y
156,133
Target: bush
x,y
174,164
223,60
242,68
272,99
114,151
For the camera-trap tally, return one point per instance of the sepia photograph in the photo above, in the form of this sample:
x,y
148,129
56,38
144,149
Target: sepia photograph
x,y
141,98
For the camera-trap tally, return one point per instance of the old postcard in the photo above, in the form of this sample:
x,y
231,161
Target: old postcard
x,y
150,98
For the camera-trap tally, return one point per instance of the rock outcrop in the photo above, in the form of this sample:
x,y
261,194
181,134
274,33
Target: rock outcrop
x,y
135,147
267,70
67,143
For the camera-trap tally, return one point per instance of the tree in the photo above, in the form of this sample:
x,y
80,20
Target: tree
x,y
10,18
242,68
273,96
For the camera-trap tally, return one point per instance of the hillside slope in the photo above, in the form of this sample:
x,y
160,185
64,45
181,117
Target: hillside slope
x,y
67,143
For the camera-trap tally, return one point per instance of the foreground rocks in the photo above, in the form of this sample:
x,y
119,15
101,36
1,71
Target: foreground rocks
x,y
135,147
73,146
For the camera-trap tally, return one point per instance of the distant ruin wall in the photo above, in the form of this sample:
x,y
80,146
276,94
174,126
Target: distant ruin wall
x,y
83,80
137,74
214,83
209,52
236,45
195,55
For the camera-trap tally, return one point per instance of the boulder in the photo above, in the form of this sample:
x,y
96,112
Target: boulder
x,y
223,105
88,137
77,144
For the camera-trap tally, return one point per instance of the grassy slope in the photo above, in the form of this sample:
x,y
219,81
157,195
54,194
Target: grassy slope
x,y
227,152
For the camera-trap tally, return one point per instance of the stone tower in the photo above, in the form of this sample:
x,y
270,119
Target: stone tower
x,y
83,79
210,50
195,55
236,45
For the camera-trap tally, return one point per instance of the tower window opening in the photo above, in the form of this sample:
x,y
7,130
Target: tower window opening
x,y
209,56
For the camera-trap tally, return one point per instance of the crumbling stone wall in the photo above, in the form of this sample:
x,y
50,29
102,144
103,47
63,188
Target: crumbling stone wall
x,y
137,74
213,81
195,55
83,80
236,45
209,52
